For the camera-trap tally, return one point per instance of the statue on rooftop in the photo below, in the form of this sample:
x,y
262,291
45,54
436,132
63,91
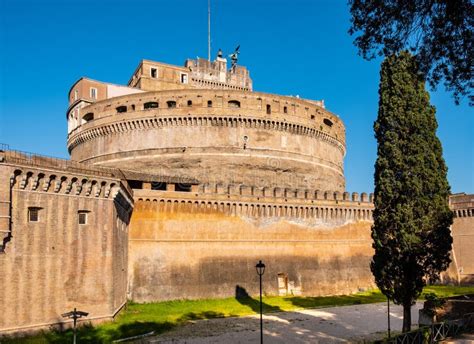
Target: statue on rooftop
x,y
235,56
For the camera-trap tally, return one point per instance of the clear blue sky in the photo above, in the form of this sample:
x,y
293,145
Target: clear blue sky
x,y
291,47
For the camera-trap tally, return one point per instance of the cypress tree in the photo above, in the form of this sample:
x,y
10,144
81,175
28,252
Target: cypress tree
x,y
411,234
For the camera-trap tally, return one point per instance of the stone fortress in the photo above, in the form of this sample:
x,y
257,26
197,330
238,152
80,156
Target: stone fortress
x,y
178,184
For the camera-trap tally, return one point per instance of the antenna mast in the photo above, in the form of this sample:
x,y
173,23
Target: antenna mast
x,y
209,30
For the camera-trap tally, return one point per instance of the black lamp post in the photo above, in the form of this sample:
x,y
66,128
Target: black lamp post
x,y
388,316
75,314
260,271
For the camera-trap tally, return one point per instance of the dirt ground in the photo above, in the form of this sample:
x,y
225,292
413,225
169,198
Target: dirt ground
x,y
347,324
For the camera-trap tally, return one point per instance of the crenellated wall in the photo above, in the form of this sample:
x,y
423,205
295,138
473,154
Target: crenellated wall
x,y
243,137
205,244
51,263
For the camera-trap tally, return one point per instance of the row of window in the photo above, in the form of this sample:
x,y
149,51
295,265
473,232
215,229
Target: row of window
x,y
154,75
34,215
92,93
231,104
172,104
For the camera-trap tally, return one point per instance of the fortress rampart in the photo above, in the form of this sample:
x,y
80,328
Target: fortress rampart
x,y
242,137
310,246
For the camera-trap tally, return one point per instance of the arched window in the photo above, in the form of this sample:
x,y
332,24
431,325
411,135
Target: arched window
x,y
328,122
171,104
285,109
150,105
209,103
121,109
269,109
234,103
190,103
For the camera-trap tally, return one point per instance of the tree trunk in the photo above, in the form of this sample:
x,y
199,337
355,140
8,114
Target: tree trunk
x,y
406,317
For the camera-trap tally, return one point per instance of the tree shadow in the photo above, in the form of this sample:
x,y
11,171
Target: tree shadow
x,y
87,333
337,300
200,316
244,298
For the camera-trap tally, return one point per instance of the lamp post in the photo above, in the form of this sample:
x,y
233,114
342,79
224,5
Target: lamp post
x,y
75,314
260,271
388,316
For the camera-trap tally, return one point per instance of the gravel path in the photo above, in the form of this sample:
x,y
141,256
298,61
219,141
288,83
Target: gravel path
x,y
346,324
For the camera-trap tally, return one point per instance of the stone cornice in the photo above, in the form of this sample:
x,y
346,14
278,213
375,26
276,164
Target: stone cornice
x,y
153,122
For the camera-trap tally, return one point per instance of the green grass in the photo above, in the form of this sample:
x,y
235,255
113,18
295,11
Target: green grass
x,y
162,316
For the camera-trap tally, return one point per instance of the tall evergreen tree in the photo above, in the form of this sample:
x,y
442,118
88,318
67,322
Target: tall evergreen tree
x,y
411,234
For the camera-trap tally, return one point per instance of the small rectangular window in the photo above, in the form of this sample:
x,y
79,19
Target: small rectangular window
x,y
33,214
158,186
82,217
121,109
184,78
153,72
150,105
93,93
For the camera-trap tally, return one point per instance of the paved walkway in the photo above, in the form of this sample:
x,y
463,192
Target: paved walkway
x,y
467,338
347,324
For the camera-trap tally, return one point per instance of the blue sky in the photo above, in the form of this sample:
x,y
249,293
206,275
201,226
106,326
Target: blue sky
x,y
291,48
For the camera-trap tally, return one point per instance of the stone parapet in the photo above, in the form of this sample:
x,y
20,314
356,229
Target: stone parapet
x,y
196,102
245,202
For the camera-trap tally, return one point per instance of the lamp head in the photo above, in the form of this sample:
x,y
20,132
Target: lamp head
x,y
260,268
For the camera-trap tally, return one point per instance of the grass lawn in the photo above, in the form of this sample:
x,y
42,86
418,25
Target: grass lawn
x,y
138,319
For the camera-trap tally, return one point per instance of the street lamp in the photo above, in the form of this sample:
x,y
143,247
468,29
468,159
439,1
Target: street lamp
x,y
260,271
388,316
75,314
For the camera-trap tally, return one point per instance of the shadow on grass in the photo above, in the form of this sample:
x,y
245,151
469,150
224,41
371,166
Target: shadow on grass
x,y
90,334
332,301
200,316
244,298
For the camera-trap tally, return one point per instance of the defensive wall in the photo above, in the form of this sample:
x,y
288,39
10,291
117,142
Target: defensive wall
x,y
174,245
63,241
215,136
205,243
462,231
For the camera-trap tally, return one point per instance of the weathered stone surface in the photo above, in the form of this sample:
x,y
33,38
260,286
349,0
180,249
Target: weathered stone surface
x,y
52,265
198,246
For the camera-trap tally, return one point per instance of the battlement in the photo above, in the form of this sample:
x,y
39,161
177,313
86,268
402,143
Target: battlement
x,y
11,156
462,204
257,202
